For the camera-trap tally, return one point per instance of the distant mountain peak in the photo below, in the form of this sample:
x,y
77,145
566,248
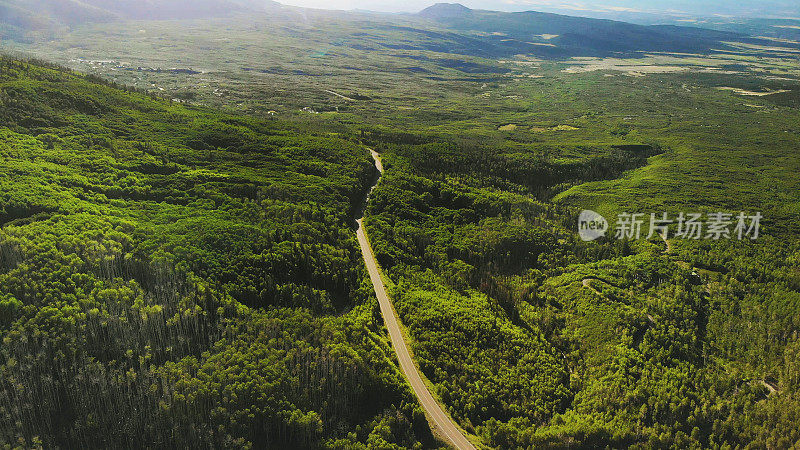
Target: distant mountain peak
x,y
445,11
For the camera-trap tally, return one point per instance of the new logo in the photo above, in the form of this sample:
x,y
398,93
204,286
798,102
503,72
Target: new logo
x,y
591,225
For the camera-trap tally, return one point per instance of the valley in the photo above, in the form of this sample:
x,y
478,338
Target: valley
x,y
187,257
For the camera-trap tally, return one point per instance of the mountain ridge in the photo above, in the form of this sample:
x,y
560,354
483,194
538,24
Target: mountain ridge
x,y
476,32
38,14
440,10
29,20
575,36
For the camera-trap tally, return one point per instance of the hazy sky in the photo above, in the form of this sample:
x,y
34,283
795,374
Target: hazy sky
x,y
381,5
706,7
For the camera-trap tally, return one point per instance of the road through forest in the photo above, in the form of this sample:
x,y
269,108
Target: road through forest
x,y
444,425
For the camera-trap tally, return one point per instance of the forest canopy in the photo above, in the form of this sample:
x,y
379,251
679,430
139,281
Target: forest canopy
x,y
175,276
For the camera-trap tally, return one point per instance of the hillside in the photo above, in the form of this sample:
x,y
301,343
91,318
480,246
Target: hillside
x,y
172,9
539,340
180,265
564,36
20,18
170,274
446,28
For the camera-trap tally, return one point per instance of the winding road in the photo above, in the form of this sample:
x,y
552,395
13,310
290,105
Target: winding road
x,y
443,424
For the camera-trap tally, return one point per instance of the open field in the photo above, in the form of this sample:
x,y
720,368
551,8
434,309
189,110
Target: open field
x,y
273,67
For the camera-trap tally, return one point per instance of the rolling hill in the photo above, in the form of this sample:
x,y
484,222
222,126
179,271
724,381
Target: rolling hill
x,y
181,268
201,187
559,35
20,18
444,28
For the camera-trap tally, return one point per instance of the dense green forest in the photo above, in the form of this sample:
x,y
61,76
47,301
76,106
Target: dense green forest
x,y
533,338
171,276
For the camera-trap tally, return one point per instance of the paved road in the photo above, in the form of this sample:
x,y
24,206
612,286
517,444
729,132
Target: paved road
x,y
442,421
